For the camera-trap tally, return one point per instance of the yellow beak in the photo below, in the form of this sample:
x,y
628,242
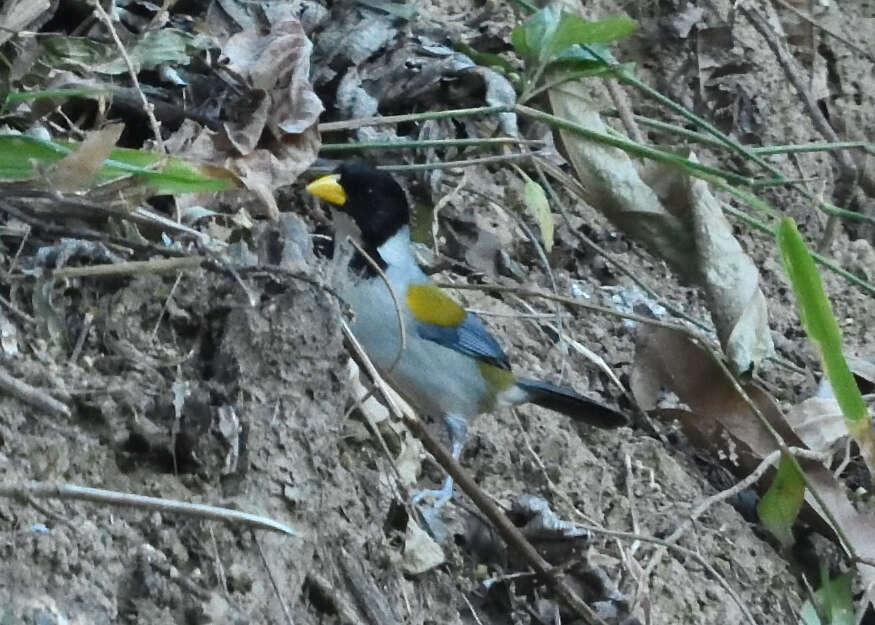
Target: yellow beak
x,y
328,188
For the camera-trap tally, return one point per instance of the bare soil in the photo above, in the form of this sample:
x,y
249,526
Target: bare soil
x,y
188,392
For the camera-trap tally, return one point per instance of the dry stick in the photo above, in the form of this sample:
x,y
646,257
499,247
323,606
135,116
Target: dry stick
x,y
166,305
439,205
220,568
426,143
375,430
87,320
571,301
99,495
20,314
847,178
21,244
483,160
399,315
157,265
32,395
508,531
723,495
826,30
273,582
543,166
388,120
148,109
621,102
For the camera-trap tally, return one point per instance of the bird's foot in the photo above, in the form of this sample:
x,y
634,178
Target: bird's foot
x,y
431,513
440,495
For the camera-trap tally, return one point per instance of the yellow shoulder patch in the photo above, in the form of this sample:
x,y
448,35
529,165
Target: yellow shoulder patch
x,y
431,305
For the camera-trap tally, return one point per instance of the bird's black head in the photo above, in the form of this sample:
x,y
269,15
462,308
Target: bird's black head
x,y
371,197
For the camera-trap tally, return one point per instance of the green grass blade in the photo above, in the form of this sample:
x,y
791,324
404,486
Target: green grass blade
x,y
780,505
823,331
21,155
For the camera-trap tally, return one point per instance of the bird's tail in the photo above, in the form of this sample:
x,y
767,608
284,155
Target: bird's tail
x,y
572,404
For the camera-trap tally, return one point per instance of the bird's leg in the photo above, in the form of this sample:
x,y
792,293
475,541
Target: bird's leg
x,y
457,428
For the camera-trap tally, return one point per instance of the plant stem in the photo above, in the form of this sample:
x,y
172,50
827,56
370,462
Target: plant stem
x,y
810,147
694,168
425,143
352,124
818,258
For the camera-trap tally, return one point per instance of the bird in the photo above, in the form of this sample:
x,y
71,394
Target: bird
x,y
451,366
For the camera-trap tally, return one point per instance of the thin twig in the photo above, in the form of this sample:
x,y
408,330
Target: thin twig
x,y
166,305
273,582
98,495
621,102
571,301
847,178
426,143
156,265
399,314
483,160
148,109
87,320
20,314
32,395
388,120
826,30
375,430
21,244
623,268
508,531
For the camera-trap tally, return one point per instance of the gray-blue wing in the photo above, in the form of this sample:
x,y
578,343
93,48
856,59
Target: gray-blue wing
x,y
470,337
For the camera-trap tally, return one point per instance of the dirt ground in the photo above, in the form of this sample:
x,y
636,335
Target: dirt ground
x,y
184,390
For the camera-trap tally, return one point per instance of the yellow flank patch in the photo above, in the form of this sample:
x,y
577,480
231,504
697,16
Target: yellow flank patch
x,y
431,305
497,380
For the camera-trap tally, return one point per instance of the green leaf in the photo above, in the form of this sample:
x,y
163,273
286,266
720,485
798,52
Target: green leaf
x,y
575,30
20,155
823,331
531,38
595,55
835,603
780,505
486,59
538,206
549,32
156,47
13,97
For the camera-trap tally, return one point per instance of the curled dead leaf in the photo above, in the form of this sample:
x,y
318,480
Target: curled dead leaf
x,y
670,362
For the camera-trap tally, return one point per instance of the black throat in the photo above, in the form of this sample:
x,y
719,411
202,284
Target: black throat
x,y
378,207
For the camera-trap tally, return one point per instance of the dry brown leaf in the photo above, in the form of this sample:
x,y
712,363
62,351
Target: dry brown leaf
x,y
278,64
668,361
276,140
818,421
676,219
77,170
732,282
16,16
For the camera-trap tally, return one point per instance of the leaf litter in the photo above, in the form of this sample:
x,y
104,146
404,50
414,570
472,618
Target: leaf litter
x,y
260,425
